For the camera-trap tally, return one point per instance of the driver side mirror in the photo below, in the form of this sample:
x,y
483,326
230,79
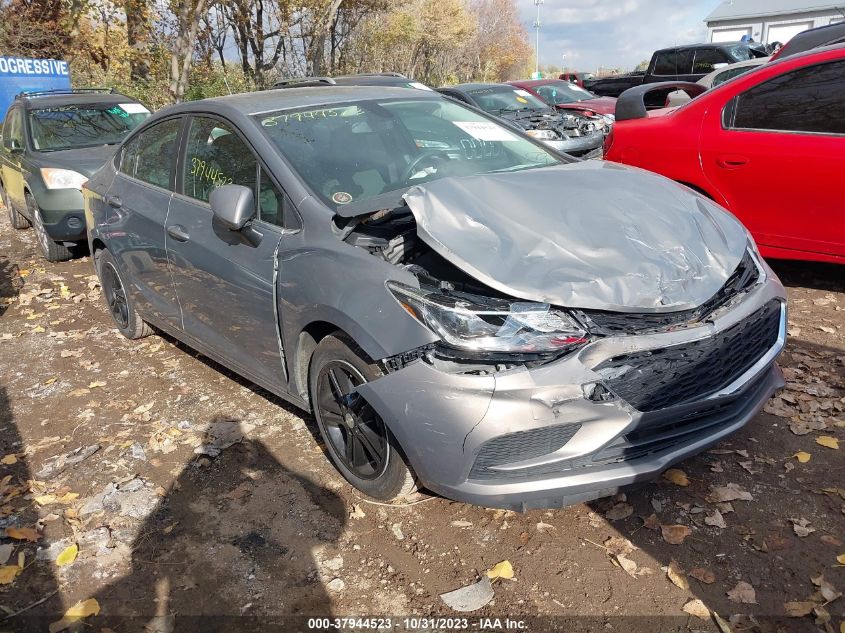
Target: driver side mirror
x,y
233,205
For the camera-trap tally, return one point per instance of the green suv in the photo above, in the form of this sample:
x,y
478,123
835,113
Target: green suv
x,y
51,144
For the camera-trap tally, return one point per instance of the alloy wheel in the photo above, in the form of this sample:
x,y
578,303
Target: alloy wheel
x,y
356,433
38,225
115,295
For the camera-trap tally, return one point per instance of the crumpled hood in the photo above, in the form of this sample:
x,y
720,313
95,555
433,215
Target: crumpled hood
x,y
585,235
84,160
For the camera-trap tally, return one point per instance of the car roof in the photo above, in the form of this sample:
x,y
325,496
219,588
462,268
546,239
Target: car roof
x,y
686,47
41,100
285,98
473,87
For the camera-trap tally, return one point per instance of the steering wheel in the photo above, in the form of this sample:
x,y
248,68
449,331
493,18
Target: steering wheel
x,y
414,167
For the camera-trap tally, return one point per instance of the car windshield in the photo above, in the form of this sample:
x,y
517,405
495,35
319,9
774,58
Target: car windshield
x,y
560,92
75,126
497,100
360,150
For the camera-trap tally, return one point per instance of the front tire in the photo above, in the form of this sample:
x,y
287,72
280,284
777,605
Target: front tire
x,y
50,249
118,302
358,442
18,221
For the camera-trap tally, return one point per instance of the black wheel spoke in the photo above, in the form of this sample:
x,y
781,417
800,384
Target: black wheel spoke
x,y
361,433
331,418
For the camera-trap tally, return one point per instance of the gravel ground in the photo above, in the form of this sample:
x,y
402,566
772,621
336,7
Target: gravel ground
x,y
142,476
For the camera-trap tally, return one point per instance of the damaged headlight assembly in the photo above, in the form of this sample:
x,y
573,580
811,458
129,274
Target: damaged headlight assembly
x,y
543,135
484,325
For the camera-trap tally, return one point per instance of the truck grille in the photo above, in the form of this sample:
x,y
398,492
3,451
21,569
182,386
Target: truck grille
x,y
660,378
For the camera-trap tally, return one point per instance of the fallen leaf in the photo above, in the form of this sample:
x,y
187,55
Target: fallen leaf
x,y
625,563
77,612
544,527
802,457
676,476
9,459
798,609
704,575
68,555
6,552
743,593
620,545
828,442
716,519
96,383
619,511
696,607
841,559
44,500
828,591
675,534
652,523
677,576
501,570
461,524
731,492
801,527
357,512
23,534
8,573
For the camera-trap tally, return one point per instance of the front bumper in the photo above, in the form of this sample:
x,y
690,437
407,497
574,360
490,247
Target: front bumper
x,y
529,438
62,213
577,144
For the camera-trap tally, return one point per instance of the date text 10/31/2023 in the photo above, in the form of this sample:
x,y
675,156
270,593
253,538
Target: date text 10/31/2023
x,y
417,624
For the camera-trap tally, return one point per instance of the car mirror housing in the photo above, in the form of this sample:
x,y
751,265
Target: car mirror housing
x,y
233,205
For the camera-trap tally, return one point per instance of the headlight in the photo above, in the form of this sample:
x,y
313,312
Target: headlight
x,y
482,324
543,135
62,178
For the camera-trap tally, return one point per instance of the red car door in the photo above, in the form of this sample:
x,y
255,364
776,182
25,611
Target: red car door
x,y
775,150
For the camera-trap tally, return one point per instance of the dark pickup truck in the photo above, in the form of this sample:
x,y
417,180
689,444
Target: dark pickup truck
x,y
681,63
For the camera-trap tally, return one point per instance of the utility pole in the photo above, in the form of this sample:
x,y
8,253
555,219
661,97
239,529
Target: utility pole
x,y
537,4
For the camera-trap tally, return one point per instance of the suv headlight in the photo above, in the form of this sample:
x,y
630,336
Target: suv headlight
x,y
62,178
543,135
483,324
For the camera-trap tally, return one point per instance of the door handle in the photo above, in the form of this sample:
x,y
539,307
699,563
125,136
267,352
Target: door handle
x,y
178,233
731,161
114,202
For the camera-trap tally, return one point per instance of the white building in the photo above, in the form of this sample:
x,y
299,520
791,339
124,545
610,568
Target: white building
x,y
770,20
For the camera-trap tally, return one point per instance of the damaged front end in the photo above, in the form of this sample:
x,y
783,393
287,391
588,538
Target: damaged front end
x,y
575,133
562,374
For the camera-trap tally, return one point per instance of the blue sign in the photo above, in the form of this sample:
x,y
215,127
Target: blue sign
x,y
22,74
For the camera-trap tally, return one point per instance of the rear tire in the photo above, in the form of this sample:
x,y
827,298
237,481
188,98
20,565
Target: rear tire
x,y
50,249
118,302
358,442
18,221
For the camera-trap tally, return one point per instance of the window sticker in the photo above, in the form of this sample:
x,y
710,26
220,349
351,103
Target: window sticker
x,y
133,108
485,131
522,93
312,115
341,197
202,171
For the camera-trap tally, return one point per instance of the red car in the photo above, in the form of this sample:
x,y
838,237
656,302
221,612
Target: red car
x,y
567,96
768,145
576,77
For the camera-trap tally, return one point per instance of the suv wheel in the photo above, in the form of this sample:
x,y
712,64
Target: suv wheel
x,y
51,250
120,305
358,442
18,221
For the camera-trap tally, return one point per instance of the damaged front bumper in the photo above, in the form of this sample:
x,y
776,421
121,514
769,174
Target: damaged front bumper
x,y
547,436
577,145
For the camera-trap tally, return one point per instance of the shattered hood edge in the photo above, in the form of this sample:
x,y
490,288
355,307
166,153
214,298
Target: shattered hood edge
x,y
590,235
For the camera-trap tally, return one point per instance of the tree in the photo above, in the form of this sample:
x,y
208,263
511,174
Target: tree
x,y
188,15
138,37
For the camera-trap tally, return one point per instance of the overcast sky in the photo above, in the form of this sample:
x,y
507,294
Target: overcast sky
x,y
613,33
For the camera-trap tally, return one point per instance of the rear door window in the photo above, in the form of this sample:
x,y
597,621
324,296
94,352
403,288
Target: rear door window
x,y
666,63
151,155
809,100
13,129
706,60
684,62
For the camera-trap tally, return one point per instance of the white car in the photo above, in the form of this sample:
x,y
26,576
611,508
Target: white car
x,y
718,76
